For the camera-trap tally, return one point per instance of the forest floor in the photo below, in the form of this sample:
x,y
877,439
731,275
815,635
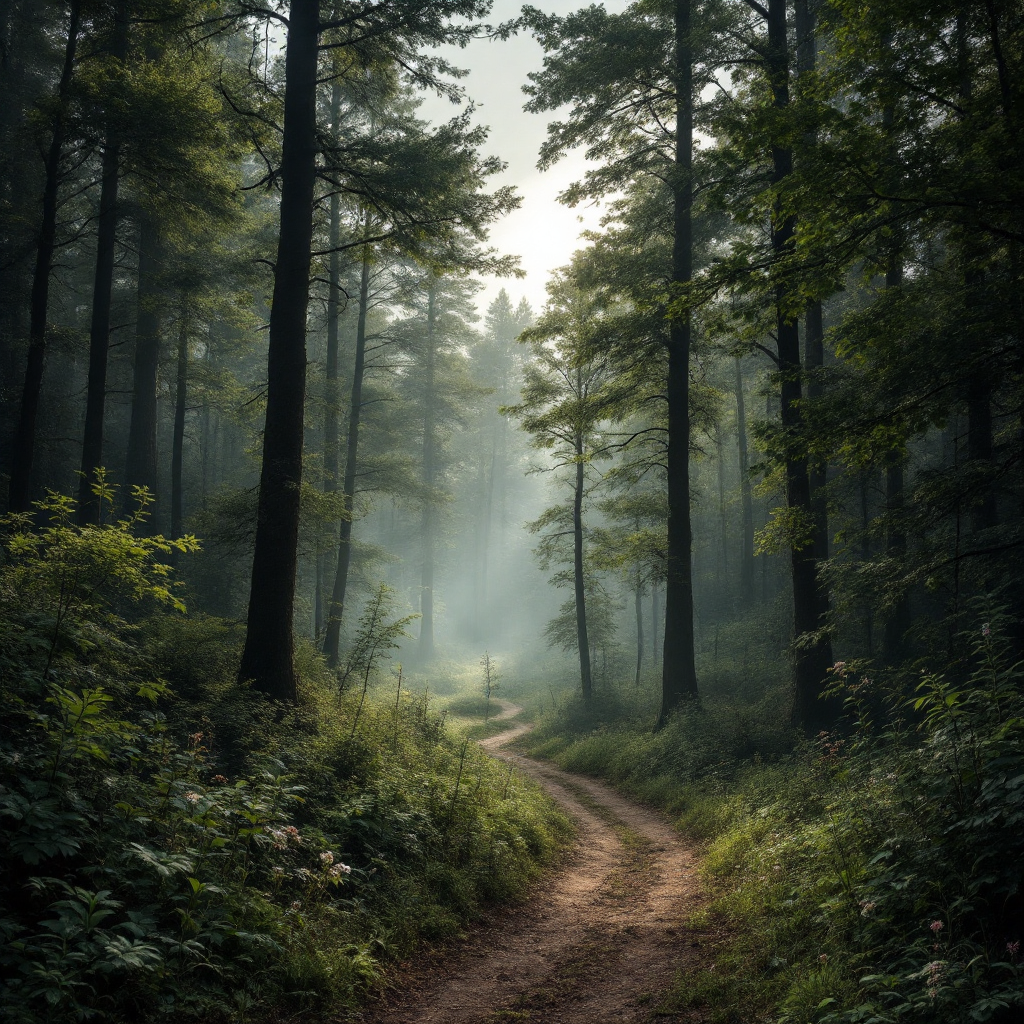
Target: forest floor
x,y
601,940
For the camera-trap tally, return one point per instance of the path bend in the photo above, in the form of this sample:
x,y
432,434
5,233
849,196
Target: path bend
x,y
598,942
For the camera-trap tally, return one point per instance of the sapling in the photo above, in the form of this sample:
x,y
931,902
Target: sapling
x,y
377,636
398,698
490,681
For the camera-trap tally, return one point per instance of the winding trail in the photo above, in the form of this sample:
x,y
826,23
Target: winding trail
x,y
599,942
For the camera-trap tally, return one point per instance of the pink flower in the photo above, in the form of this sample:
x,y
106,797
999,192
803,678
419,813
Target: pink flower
x,y
986,630
936,926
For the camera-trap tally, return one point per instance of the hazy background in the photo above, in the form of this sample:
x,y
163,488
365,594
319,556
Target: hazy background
x,y
543,232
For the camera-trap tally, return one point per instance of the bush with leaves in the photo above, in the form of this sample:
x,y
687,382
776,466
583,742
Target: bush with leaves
x,y
155,859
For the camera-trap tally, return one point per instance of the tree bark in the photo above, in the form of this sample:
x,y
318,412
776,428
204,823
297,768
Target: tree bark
x,y
25,436
426,640
103,282
984,515
746,498
333,317
267,659
655,619
814,331
141,462
332,636
679,673
811,659
723,523
178,434
485,535
897,623
639,610
330,479
579,582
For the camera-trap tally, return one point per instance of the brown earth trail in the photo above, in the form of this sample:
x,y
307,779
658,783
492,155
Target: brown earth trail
x,y
599,942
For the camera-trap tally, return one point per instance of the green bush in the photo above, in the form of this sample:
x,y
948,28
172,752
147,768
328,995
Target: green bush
x,y
874,875
173,845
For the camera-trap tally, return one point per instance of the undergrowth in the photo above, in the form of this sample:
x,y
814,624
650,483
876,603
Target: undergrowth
x,y
870,876
173,846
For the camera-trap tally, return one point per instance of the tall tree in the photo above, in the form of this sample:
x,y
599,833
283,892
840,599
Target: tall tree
x,y
24,443
397,32
633,80
563,404
268,652
103,283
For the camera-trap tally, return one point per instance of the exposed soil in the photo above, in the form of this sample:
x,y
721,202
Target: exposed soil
x,y
599,942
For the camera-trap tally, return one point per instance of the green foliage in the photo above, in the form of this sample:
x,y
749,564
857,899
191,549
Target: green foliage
x,y
869,875
159,854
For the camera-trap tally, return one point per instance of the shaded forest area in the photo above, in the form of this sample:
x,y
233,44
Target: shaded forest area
x,y
736,516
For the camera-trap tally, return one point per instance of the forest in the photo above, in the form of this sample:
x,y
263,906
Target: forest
x,y
384,640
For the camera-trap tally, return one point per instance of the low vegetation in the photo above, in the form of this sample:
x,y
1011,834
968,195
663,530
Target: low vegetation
x,y
872,874
171,846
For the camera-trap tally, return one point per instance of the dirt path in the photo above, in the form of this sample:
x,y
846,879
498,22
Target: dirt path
x,y
600,941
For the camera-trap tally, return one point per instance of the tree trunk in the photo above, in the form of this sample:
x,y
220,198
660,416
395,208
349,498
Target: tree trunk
x,y
267,657
722,518
333,316
332,636
865,557
99,328
178,434
814,331
582,640
984,515
746,498
25,436
141,463
426,641
679,673
897,622
655,619
330,480
639,609
979,382
811,661
485,539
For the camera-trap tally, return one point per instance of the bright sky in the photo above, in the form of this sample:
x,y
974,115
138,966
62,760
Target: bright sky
x,y
542,232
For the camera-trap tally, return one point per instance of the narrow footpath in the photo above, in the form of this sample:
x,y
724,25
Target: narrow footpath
x,y
599,942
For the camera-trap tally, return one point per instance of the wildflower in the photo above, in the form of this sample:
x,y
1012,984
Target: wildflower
x,y
192,797
219,779
934,974
823,959
196,738
1013,948
936,927
986,630
296,905
338,870
839,668
293,834
326,858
